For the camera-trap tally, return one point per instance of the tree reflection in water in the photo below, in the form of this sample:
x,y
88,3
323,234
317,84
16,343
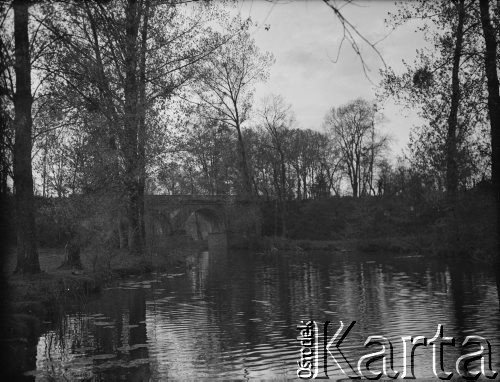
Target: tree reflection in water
x,y
233,315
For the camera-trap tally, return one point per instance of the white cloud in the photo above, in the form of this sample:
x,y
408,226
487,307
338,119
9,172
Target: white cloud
x,y
304,37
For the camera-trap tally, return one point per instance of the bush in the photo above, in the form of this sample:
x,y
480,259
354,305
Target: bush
x,y
88,220
322,219
424,225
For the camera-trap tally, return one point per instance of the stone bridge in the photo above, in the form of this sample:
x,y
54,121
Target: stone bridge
x,y
200,215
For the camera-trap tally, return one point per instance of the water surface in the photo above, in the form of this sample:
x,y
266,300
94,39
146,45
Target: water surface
x,y
234,315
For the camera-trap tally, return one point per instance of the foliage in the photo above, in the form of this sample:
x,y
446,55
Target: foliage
x,y
351,128
224,91
158,97
427,84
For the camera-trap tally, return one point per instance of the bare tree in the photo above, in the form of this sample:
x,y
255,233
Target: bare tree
x,y
226,87
277,118
352,35
490,62
451,139
351,127
119,61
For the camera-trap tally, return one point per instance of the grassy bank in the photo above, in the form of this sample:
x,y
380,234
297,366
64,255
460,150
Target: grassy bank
x,y
31,300
54,286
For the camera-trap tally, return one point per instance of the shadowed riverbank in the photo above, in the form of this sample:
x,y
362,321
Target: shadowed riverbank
x,y
32,300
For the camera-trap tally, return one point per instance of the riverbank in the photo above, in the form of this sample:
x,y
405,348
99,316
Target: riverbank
x,y
388,225
409,245
29,301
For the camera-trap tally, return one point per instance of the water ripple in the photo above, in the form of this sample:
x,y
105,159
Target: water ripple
x,y
236,318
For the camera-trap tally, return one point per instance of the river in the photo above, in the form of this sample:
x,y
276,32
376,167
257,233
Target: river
x,y
234,315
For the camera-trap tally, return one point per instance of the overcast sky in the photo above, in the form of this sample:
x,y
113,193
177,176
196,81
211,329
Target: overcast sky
x,y
304,37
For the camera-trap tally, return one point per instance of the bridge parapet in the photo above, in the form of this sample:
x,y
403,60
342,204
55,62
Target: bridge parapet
x,y
159,200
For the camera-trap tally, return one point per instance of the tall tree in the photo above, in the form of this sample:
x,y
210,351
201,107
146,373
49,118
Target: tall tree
x,y
122,63
27,255
227,84
130,123
350,126
142,133
276,118
437,82
490,63
451,139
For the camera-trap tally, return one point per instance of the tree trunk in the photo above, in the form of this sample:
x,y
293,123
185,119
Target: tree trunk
x,y
132,176
72,256
142,123
44,171
355,186
494,113
304,185
276,217
27,255
372,160
299,196
283,192
122,229
4,189
247,186
451,139
3,150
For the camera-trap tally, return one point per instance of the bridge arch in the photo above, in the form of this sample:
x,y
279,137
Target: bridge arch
x,y
171,215
177,215
203,221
